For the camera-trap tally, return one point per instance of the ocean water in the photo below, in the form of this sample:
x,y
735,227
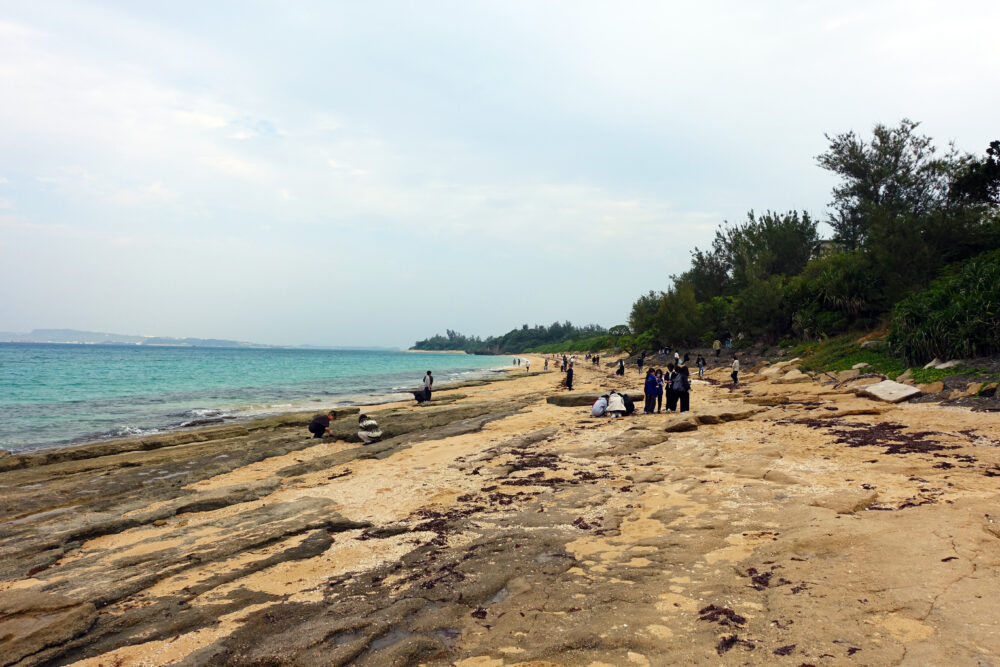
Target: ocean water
x,y
54,395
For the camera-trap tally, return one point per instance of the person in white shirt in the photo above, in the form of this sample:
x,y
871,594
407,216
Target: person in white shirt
x,y
428,385
736,371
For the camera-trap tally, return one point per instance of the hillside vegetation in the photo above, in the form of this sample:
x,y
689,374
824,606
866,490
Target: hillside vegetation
x,y
916,235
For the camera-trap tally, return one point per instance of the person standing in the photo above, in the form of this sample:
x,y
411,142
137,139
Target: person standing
x,y
659,390
320,424
621,367
527,366
428,385
701,366
546,364
682,388
717,346
569,377
736,370
650,389
668,379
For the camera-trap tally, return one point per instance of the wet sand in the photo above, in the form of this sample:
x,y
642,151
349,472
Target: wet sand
x,y
777,523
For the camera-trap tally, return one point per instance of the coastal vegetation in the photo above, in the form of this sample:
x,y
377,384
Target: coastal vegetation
x,y
915,248
514,341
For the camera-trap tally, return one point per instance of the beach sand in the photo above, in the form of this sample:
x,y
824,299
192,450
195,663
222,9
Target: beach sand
x,y
774,523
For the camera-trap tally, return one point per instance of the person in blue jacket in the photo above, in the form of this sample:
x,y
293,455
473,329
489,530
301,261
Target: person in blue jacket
x,y
651,388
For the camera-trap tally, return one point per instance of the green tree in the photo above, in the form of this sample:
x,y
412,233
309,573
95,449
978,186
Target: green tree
x,y
894,174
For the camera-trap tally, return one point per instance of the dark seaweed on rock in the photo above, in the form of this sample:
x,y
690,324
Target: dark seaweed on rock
x,y
721,615
884,434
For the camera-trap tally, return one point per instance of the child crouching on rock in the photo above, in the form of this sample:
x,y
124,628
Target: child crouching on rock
x,y
369,431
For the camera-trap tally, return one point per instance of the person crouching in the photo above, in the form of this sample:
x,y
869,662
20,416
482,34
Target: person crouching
x,y
368,430
320,424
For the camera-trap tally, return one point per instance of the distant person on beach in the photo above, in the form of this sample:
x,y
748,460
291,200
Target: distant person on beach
x,y
600,406
368,430
668,379
546,367
621,367
736,370
717,346
569,377
700,362
320,424
682,388
649,389
616,404
428,385
527,366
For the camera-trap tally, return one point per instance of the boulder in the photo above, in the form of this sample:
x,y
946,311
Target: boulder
x,y
873,344
988,390
888,391
679,424
860,365
906,376
949,364
972,389
776,370
932,364
31,621
793,376
844,376
931,388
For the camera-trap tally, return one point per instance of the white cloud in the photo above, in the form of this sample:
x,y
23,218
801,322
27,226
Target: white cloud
x,y
6,204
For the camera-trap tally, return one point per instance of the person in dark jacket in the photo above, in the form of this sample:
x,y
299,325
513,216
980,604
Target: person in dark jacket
x,y
668,380
629,404
621,367
320,424
682,388
569,377
659,390
650,389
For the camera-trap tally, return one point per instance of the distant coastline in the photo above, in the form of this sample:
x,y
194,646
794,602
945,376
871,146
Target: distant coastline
x,y
435,351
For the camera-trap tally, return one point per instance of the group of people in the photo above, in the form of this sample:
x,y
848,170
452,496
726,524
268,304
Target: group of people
x,y
612,404
675,384
368,430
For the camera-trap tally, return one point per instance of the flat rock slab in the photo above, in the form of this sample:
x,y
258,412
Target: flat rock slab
x,y
888,391
847,501
580,399
31,621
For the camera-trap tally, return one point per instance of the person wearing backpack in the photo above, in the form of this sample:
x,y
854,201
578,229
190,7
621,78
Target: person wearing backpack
x,y
682,388
668,380
650,389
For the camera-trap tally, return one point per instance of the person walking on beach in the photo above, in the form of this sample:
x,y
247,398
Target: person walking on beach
x,y
546,367
428,385
717,346
368,430
569,377
736,371
650,389
682,388
320,424
527,366
700,362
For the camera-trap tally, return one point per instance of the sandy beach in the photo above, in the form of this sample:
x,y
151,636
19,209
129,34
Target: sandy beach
x,y
773,524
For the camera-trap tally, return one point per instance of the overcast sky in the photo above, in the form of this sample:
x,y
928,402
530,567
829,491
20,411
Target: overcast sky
x,y
371,173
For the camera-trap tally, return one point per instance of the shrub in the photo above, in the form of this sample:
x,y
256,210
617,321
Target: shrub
x,y
957,316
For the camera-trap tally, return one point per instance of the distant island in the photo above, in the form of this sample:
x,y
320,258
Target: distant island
x,y
75,337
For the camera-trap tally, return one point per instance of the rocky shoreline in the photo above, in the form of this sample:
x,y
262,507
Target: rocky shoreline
x,y
792,522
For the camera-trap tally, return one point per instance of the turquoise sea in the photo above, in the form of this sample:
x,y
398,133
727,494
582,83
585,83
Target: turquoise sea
x,y
53,395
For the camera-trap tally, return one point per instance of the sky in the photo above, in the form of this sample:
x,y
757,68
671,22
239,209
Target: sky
x,y
373,173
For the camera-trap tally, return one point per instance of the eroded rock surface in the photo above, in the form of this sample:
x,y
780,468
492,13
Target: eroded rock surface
x,y
773,522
